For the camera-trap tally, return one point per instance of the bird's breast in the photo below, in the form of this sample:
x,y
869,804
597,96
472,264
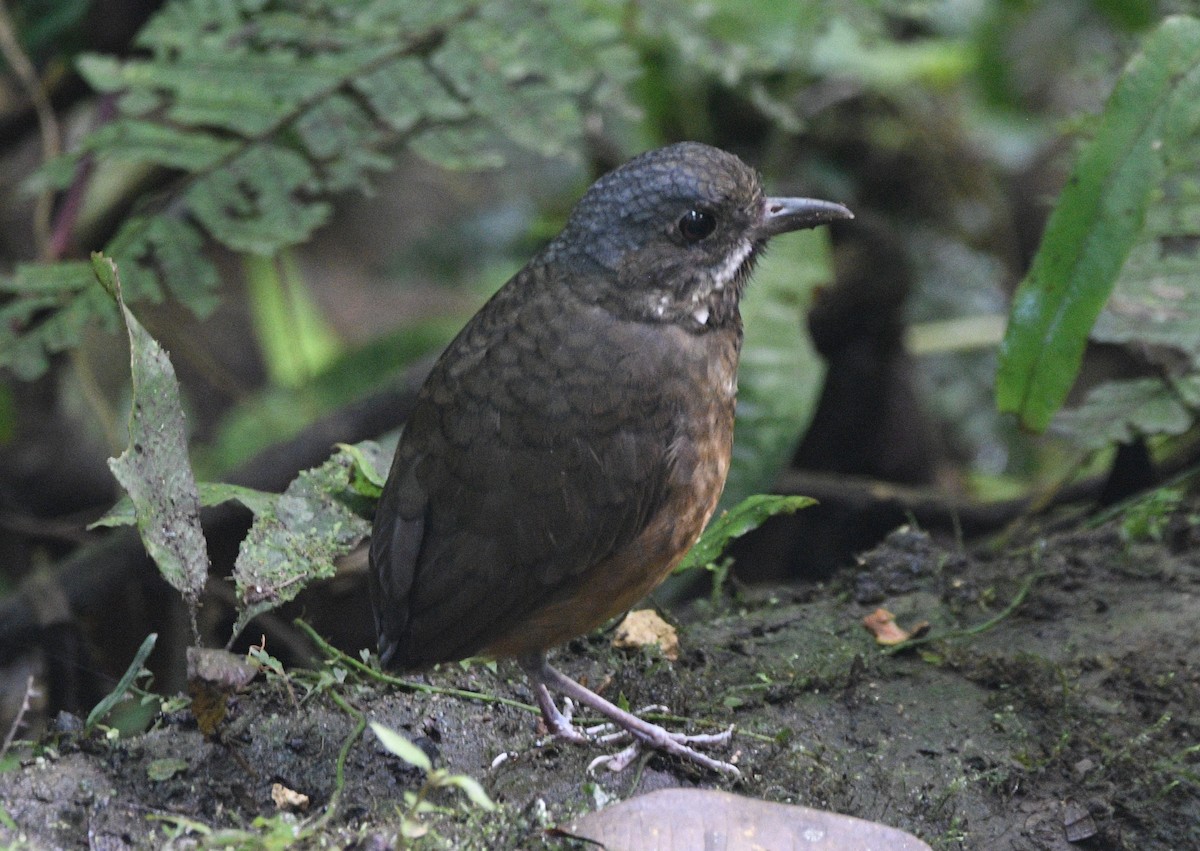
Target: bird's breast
x,y
700,386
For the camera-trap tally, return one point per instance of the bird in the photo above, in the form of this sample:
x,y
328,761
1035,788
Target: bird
x,y
571,443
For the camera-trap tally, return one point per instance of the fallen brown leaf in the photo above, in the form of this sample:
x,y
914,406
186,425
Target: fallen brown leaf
x,y
643,628
882,624
288,799
214,675
684,819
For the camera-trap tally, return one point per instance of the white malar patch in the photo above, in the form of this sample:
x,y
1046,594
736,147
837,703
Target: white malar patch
x,y
700,314
660,308
728,270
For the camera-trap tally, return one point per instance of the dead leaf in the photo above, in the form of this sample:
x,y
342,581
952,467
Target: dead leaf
x,y
683,819
643,628
288,799
882,624
1078,823
213,676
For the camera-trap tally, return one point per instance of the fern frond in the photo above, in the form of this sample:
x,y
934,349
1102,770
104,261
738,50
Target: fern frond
x,y
266,108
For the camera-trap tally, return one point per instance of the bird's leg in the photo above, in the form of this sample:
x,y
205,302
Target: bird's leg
x,y
544,677
557,722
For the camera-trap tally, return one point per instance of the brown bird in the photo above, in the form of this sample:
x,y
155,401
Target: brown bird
x,y
571,443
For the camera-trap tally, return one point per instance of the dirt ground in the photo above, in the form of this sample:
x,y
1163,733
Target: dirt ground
x,y
1068,720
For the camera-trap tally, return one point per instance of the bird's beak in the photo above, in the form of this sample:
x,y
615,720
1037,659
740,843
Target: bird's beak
x,y
781,215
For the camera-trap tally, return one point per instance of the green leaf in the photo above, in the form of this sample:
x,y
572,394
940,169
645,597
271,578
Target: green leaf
x,y
890,66
472,789
268,109
36,313
253,203
1148,517
142,141
404,92
100,710
402,747
339,136
49,279
295,340
159,251
158,770
367,476
745,517
1147,122
154,470
1120,411
318,518
211,493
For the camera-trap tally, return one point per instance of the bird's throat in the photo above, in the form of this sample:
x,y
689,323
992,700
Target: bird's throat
x,y
713,303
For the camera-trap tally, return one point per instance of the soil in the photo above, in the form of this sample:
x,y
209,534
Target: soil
x,y
1056,705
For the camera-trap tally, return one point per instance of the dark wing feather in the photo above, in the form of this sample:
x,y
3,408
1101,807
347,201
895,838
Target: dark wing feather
x,y
538,447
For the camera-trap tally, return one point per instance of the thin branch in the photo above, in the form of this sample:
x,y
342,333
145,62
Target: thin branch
x,y
16,724
51,136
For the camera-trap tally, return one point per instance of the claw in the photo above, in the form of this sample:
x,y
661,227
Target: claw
x,y
643,732
618,761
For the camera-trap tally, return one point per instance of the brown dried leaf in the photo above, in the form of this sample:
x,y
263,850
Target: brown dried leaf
x,y
213,676
683,819
644,627
882,624
288,799
227,670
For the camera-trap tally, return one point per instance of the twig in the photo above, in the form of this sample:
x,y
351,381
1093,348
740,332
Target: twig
x,y
16,724
17,59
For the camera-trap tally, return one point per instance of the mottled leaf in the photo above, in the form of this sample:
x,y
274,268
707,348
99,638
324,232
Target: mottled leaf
x,y
317,519
154,470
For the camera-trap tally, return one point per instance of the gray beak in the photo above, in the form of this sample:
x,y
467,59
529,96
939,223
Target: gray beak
x,y
781,215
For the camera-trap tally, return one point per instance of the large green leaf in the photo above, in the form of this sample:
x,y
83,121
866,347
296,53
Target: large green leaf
x,y
1145,136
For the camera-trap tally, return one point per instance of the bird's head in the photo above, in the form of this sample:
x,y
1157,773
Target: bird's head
x,y
673,234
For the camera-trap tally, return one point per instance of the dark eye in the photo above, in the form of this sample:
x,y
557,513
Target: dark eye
x,y
697,224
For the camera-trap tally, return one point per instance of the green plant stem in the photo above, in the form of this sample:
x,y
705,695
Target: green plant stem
x,y
339,781
966,632
337,655
51,135
333,654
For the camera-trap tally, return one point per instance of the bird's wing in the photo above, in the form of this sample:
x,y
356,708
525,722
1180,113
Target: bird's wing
x,y
539,446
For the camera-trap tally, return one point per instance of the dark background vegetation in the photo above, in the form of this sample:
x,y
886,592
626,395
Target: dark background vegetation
x,y
366,235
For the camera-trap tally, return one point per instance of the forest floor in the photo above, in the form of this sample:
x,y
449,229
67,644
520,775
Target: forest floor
x,y
1056,705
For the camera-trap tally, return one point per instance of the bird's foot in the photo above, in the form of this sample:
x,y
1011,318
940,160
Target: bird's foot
x,y
621,724
558,722
681,744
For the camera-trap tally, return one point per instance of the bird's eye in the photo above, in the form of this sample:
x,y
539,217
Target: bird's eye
x,y
697,224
